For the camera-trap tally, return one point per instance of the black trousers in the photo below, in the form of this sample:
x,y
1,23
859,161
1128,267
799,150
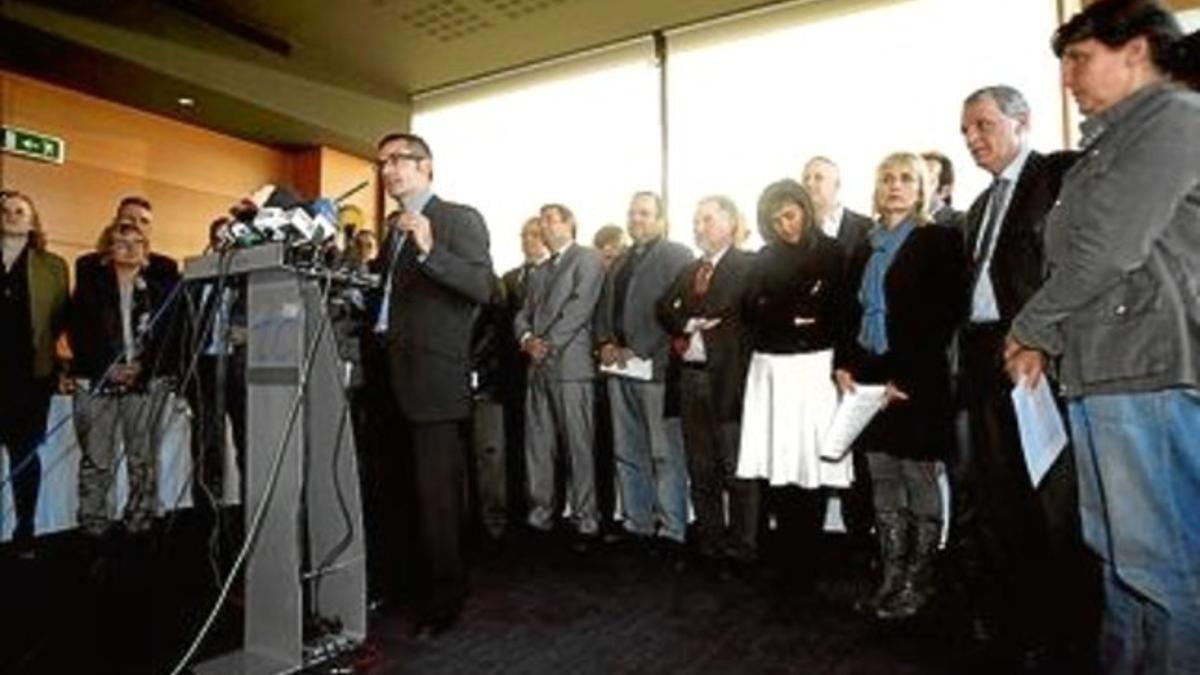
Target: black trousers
x,y
712,455
212,402
439,473
1019,548
23,410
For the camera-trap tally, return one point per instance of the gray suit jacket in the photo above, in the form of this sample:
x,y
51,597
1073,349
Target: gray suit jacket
x,y
652,279
560,300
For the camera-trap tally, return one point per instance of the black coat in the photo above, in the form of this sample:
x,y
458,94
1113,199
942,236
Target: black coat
x,y
1018,266
926,299
432,311
797,297
727,345
95,331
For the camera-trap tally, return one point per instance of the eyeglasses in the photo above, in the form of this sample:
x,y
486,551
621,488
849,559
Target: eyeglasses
x,y
397,157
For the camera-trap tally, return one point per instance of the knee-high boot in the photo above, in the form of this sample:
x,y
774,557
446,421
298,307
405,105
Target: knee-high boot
x,y
917,587
892,533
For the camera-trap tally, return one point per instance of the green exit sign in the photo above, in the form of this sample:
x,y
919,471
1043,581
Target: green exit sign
x,y
33,145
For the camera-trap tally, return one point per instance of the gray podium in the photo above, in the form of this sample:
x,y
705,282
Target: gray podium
x,y
304,520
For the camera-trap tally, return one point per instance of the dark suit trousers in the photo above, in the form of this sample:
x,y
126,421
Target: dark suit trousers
x,y
712,454
1021,548
439,472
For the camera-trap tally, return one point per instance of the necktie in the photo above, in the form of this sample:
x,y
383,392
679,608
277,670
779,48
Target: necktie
x,y
988,235
702,279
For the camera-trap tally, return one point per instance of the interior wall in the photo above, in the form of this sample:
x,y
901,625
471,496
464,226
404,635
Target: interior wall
x,y
190,175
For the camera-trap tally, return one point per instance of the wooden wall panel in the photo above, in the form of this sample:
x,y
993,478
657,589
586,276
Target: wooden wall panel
x,y
190,174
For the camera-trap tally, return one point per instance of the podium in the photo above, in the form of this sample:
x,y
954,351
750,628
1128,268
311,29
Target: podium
x,y
305,519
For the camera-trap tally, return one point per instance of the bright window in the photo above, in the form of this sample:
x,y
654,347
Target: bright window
x,y
752,98
583,133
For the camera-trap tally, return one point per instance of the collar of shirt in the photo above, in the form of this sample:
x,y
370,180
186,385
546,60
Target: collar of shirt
x,y
1013,171
1095,126
716,259
833,223
557,255
418,201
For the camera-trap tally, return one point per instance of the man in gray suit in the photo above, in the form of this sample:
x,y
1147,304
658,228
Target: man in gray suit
x,y
555,330
651,468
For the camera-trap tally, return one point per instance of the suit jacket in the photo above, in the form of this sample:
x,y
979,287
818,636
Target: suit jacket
x,y
853,231
431,312
1018,265
47,307
654,275
560,304
924,291
727,345
97,339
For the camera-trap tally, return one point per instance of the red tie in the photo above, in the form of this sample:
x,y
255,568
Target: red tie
x,y
702,279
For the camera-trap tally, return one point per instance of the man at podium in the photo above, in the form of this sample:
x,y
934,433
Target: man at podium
x,y
436,272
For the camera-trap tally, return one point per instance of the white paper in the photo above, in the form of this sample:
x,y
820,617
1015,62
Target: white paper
x,y
854,412
635,368
1043,436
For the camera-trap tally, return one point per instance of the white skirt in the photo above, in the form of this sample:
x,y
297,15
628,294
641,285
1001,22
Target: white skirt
x,y
788,407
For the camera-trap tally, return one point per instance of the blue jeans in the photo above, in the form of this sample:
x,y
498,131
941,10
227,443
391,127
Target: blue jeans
x,y
651,466
1138,457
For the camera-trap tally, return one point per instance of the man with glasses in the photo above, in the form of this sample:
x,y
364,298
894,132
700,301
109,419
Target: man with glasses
x,y
436,272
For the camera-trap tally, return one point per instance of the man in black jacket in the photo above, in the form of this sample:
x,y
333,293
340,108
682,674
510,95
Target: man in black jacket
x,y
702,311
436,273
1019,545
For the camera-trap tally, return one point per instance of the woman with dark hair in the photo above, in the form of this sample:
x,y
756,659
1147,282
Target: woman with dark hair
x,y
908,295
33,312
794,312
1185,60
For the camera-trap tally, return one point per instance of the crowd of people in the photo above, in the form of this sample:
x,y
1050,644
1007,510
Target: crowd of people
x,y
633,393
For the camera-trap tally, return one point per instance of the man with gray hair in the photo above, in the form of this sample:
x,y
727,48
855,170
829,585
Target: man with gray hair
x,y
1018,546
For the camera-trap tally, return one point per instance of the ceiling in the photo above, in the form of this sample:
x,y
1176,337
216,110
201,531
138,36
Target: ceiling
x,y
307,72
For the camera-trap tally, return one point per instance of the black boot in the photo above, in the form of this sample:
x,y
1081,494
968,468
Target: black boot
x,y
891,529
918,579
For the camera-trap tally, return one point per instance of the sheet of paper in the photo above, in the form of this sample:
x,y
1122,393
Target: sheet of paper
x,y
635,368
854,412
1043,435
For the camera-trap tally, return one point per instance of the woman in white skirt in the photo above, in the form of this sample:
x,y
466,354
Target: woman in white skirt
x,y
795,310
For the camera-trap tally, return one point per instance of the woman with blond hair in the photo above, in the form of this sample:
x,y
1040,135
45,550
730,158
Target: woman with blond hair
x,y
33,304
907,292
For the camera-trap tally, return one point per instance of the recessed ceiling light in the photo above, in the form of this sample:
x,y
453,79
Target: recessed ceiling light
x,y
186,102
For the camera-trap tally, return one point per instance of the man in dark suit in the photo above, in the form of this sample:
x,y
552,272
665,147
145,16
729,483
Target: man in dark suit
x,y
823,180
702,311
135,211
651,467
555,330
1019,546
436,273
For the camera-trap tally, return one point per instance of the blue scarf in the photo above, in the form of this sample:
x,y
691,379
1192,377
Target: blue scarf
x,y
884,245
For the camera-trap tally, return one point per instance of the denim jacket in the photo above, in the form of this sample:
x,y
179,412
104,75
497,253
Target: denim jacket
x,y
1121,305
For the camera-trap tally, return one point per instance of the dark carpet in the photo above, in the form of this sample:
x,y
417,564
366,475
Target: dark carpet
x,y
537,606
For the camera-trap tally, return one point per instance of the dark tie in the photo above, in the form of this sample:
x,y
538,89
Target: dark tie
x,y
988,235
702,280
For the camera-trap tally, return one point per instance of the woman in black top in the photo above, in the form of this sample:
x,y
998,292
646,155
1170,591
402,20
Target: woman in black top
x,y
795,311
909,292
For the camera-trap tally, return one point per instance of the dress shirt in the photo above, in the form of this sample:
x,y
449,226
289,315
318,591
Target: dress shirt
x,y
415,205
983,296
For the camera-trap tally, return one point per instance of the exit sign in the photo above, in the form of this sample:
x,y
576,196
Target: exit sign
x,y
33,145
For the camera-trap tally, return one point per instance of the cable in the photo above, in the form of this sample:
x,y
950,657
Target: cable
x,y
261,509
